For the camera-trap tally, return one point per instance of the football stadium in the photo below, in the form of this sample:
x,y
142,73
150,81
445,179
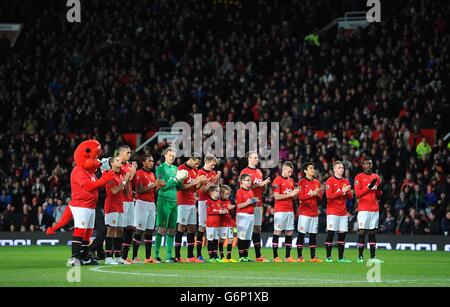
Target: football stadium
x,y
224,143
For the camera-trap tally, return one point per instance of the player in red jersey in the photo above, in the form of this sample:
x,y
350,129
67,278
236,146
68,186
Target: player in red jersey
x,y
245,203
227,223
258,186
213,178
214,212
338,190
114,217
308,212
84,188
367,193
284,191
145,209
187,212
124,154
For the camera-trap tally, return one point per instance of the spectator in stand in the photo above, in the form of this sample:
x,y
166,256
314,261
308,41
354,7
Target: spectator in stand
x,y
433,227
9,219
417,199
47,220
423,148
38,187
430,197
388,226
5,199
406,226
40,219
445,224
58,212
418,228
26,220
401,203
50,206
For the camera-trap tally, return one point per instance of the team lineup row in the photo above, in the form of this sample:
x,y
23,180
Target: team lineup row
x,y
177,210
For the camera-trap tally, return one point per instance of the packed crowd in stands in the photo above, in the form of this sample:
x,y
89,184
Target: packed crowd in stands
x,y
137,66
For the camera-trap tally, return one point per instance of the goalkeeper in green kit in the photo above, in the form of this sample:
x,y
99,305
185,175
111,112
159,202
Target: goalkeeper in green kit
x,y
166,218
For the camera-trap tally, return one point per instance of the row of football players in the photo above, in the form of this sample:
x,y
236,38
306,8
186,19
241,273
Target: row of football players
x,y
215,212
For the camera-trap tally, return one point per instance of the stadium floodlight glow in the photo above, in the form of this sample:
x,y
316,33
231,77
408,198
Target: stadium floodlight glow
x,y
258,139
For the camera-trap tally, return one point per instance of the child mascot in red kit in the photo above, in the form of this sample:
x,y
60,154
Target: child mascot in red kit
x,y
84,187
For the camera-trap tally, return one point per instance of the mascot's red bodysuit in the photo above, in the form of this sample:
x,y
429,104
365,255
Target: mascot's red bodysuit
x,y
84,186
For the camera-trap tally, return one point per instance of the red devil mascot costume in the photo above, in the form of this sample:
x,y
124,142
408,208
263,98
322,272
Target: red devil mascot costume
x,y
84,185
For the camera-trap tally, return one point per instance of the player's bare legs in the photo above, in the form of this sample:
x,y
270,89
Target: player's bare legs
x,y
181,229
276,237
113,244
313,247
199,243
256,238
191,241
361,244
118,240
148,238
329,245
170,237
160,233
340,244
137,238
300,242
373,246
341,247
288,245
126,239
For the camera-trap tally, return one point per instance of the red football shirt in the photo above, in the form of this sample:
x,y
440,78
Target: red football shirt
x,y
242,195
227,220
125,168
308,204
367,198
256,175
114,202
212,210
335,197
210,175
283,186
187,197
145,178
80,196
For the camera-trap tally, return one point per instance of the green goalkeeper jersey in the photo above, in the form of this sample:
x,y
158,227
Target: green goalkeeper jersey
x,y
167,173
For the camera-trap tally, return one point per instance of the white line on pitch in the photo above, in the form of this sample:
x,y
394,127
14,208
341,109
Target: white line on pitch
x,y
99,270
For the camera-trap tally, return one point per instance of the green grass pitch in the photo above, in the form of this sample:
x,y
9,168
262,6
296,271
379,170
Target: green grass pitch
x,y
45,266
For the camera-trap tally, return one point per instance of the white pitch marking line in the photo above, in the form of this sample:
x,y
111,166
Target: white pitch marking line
x,y
99,270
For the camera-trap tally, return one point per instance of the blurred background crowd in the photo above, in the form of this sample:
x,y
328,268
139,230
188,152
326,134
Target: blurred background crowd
x,y
138,66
